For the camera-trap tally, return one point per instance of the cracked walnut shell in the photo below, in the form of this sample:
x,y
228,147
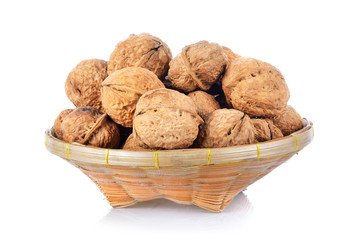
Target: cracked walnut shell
x,y
199,65
204,102
265,130
83,84
123,88
166,119
255,87
87,125
288,121
224,128
143,50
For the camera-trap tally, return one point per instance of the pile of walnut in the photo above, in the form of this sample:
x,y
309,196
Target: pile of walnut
x,y
207,96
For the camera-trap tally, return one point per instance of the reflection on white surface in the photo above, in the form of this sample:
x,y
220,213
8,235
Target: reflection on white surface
x,y
167,215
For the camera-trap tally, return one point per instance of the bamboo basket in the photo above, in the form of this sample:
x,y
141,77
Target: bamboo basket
x,y
209,178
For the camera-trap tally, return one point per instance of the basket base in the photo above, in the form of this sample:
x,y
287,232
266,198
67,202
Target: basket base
x,y
210,187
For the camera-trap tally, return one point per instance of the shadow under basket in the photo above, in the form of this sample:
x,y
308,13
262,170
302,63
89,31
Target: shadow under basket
x,y
209,177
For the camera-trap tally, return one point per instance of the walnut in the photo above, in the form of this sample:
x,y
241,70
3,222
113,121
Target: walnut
x,y
142,50
123,88
230,54
58,121
226,127
265,130
199,65
134,144
288,121
166,119
204,102
87,125
255,87
83,85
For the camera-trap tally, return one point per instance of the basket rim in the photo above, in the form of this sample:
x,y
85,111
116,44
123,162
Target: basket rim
x,y
181,158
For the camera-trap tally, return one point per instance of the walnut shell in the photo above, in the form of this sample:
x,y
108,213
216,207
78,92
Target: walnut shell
x,y
265,130
134,144
199,65
123,88
166,119
87,125
255,87
58,121
230,54
204,102
83,84
224,128
288,121
143,50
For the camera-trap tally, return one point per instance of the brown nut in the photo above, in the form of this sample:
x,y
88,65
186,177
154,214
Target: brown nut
x,y
224,128
288,121
265,130
143,50
230,54
83,85
204,102
58,121
199,65
166,119
123,88
134,144
255,87
87,125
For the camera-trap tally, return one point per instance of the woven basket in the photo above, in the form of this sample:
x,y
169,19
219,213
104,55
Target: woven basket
x,y
208,178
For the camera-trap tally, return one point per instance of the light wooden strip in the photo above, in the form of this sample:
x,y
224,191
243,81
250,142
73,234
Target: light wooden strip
x,y
182,158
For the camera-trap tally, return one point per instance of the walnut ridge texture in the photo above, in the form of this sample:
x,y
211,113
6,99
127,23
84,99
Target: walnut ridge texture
x,y
166,119
288,121
83,84
204,102
230,54
143,99
143,50
199,65
87,125
224,128
255,87
265,130
58,121
123,88
134,144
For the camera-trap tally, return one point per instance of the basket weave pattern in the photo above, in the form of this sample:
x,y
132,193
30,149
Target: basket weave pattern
x,y
209,182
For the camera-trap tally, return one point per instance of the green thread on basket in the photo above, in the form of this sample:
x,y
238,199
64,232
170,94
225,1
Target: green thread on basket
x,y
106,156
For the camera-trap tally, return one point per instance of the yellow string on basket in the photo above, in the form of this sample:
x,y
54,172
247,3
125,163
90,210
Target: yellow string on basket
x,y
296,141
258,150
156,159
106,156
46,142
67,151
208,156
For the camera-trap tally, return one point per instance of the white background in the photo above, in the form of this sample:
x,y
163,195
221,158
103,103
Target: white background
x,y
44,197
